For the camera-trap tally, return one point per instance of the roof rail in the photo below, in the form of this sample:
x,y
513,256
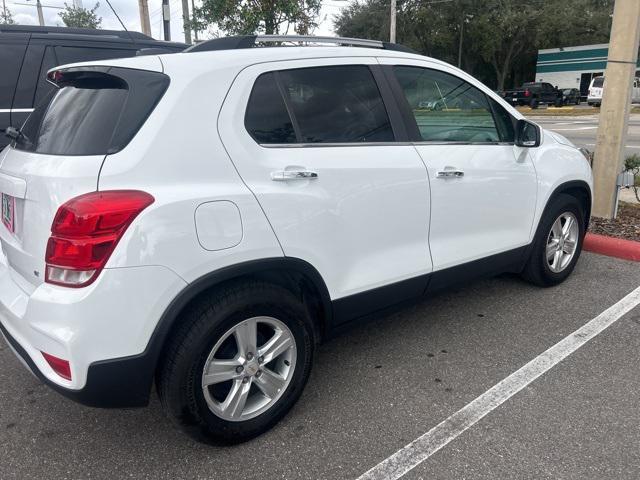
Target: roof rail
x,y
72,31
249,41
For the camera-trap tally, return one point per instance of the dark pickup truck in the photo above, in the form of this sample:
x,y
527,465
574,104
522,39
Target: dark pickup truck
x,y
534,94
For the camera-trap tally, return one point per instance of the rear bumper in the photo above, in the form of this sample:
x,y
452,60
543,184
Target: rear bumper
x,y
103,330
116,383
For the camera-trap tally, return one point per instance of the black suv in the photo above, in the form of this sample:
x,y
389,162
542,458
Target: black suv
x,y
27,52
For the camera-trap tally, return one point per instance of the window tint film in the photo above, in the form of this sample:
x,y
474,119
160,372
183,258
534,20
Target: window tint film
x,y
11,55
44,88
84,54
336,104
446,108
504,122
93,112
266,118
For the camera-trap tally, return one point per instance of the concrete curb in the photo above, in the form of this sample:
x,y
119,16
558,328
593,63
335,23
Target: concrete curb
x,y
612,247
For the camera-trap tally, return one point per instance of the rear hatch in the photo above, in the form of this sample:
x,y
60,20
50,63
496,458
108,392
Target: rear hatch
x,y
94,112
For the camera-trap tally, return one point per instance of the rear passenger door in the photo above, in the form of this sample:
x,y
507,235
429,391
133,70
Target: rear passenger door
x,y
483,187
315,143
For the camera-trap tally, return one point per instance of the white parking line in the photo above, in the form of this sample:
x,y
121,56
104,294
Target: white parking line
x,y
416,452
574,129
626,146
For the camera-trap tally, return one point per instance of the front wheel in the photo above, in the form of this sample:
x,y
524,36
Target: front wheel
x,y
558,242
238,363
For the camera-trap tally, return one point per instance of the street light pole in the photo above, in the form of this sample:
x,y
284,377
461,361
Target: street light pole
x,y
616,104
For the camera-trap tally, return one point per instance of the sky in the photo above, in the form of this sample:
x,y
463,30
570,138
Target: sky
x,y
128,12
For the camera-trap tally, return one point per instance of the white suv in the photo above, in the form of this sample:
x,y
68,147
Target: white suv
x,y
201,220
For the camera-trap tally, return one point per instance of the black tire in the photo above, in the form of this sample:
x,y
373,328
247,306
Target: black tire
x,y
537,269
533,104
179,376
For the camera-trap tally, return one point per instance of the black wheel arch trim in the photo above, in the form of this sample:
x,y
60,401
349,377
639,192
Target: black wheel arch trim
x,y
126,381
567,187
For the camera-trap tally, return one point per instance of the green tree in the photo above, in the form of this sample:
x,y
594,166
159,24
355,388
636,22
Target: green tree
x,y
6,18
244,17
501,37
73,16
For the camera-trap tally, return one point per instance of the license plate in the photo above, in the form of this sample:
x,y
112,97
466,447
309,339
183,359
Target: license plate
x,y
8,211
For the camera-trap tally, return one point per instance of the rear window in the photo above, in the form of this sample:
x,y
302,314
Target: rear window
x,y
598,82
93,112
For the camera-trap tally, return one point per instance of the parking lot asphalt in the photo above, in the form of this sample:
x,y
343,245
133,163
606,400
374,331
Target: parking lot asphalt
x,y
378,387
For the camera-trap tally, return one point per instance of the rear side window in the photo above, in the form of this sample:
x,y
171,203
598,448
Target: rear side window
x,y
266,117
93,112
334,104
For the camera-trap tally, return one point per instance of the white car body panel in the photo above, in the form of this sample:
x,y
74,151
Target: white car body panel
x,y
364,223
373,199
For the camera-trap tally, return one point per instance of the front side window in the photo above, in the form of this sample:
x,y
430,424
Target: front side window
x,y
446,108
333,104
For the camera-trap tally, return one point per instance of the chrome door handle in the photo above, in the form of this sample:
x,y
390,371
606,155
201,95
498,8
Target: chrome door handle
x,y
285,175
449,173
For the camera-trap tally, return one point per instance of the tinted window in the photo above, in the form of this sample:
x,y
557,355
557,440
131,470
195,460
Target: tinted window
x,y
84,54
504,122
44,88
336,104
598,82
266,118
446,108
11,55
93,113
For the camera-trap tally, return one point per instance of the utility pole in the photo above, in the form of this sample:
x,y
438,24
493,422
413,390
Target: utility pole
x,y
77,3
145,24
616,103
392,22
40,14
185,21
193,17
166,19
460,42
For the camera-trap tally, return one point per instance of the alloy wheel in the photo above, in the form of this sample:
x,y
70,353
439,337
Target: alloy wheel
x,y
562,242
249,368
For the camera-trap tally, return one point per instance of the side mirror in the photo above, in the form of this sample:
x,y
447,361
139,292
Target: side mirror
x,y
527,134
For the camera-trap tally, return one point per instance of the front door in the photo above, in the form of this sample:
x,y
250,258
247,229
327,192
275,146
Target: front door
x,y
483,188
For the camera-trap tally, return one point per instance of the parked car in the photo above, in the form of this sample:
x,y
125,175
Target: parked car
x,y
597,87
207,217
534,94
570,96
27,52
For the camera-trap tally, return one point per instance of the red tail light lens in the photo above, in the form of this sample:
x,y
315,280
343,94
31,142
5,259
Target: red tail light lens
x,y
85,232
58,365
527,93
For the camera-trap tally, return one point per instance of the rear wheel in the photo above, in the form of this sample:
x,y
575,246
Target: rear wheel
x,y
238,363
558,242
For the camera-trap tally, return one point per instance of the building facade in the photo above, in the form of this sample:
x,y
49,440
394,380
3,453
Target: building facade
x,y
572,67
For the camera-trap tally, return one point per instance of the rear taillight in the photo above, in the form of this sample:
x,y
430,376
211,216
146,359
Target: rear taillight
x,y
58,365
527,93
85,232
